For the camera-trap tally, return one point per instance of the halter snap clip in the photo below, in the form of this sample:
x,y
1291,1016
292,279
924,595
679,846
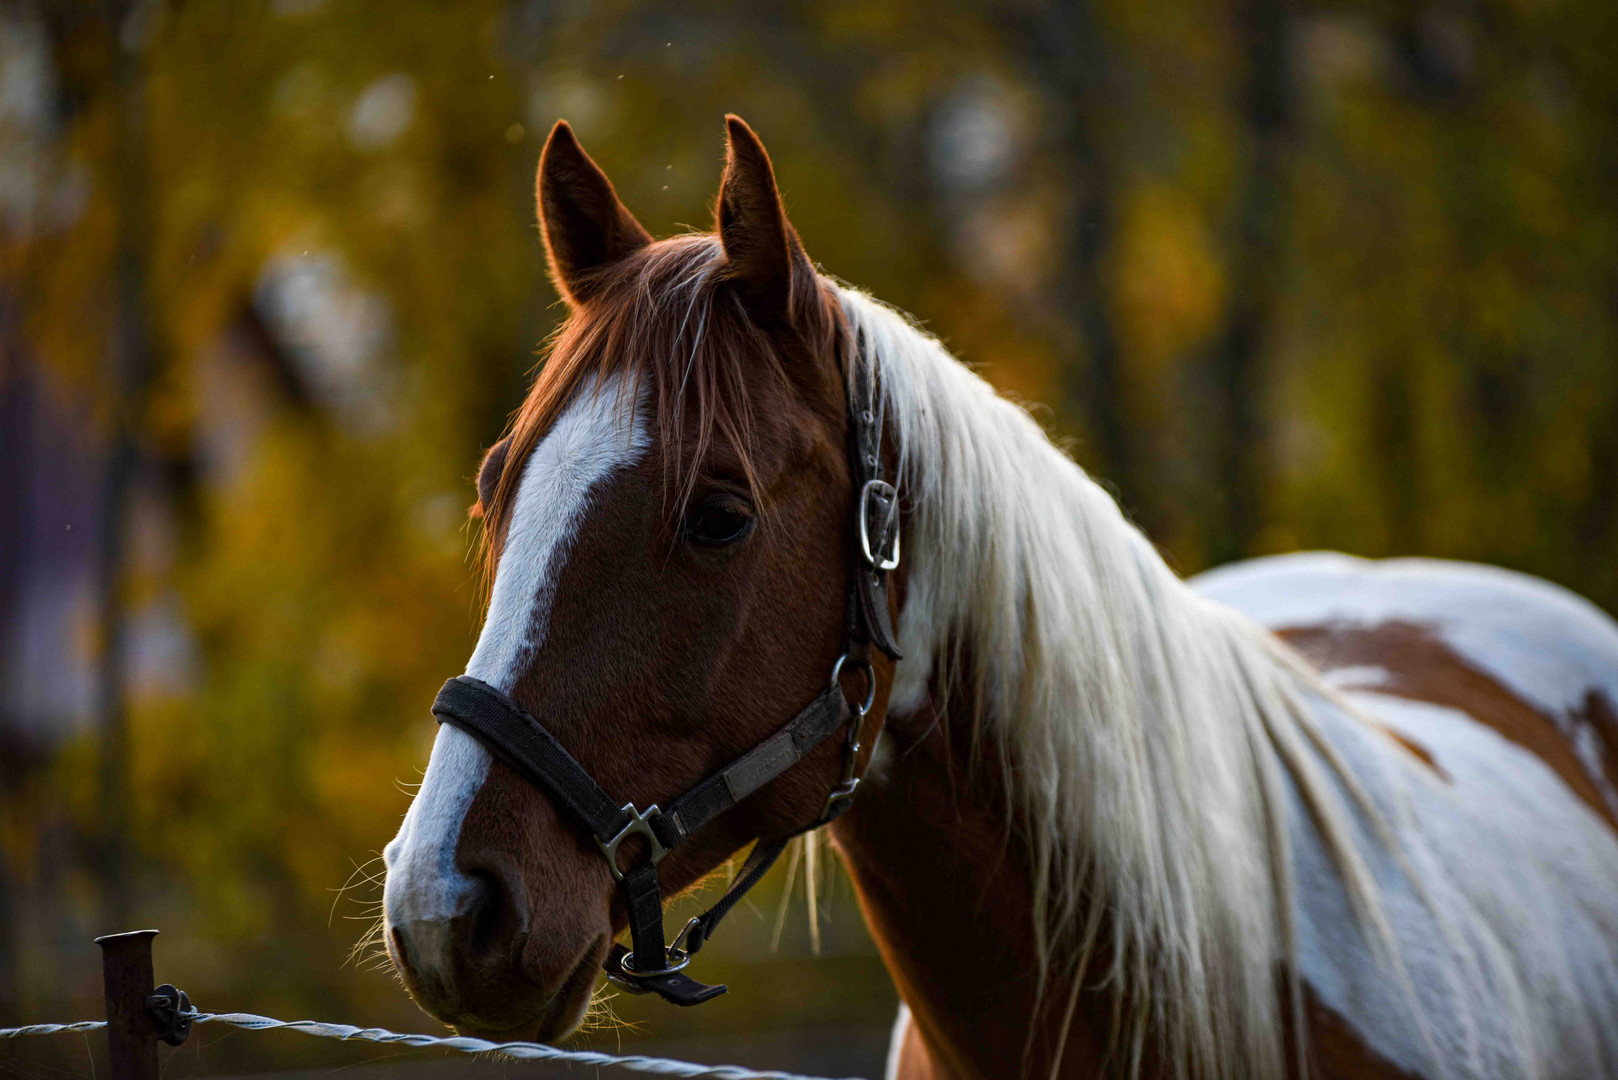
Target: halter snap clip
x,y
842,796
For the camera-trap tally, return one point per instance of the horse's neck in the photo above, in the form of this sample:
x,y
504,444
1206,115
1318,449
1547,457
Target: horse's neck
x,y
1138,722
945,888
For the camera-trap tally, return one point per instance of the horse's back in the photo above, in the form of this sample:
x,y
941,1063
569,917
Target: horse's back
x,y
1529,658
1482,729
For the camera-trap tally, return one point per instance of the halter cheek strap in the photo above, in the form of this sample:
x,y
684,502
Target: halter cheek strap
x,y
528,747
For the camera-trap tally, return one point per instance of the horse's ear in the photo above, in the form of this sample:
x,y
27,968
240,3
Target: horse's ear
x,y
586,227
765,257
494,462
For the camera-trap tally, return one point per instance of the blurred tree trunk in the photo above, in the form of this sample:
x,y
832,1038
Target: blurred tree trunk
x,y
1066,58
1240,439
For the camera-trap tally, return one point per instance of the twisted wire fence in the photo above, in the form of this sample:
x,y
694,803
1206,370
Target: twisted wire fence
x,y
528,1051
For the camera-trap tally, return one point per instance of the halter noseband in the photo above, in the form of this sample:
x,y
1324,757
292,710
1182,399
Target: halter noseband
x,y
524,744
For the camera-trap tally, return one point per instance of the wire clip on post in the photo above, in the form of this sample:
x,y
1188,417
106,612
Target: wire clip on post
x,y
138,1016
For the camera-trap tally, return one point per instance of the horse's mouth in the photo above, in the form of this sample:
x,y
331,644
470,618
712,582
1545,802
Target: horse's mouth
x,y
562,1014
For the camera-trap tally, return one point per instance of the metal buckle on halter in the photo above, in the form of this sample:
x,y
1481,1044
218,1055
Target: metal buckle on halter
x,y
639,825
675,957
885,497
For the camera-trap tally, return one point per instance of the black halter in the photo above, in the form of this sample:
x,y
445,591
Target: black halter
x,y
524,744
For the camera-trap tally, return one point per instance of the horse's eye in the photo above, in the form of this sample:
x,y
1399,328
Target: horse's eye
x,y
717,523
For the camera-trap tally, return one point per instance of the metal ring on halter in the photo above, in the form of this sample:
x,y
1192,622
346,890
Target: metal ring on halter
x,y
675,961
870,680
677,952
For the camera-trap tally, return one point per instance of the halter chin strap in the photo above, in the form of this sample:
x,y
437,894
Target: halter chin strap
x,y
522,742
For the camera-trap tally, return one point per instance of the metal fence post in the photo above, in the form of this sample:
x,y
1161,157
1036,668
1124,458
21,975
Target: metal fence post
x,y
126,974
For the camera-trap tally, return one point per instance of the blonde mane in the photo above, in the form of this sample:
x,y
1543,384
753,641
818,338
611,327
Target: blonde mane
x,y
1148,735
1145,731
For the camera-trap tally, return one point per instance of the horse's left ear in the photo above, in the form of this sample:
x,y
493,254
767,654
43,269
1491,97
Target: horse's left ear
x,y
494,463
586,228
765,257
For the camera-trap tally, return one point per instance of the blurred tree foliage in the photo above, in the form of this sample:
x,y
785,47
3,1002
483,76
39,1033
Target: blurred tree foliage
x,y
1290,274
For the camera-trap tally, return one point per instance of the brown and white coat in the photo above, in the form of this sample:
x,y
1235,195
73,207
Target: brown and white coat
x,y
1305,814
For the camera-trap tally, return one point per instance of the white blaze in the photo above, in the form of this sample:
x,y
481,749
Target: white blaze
x,y
594,437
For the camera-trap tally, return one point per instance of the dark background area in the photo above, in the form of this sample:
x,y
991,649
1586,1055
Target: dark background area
x,y
1285,274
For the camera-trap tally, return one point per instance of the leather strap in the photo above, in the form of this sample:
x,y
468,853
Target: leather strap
x,y
524,744
675,987
758,863
678,987
644,898
825,714
876,511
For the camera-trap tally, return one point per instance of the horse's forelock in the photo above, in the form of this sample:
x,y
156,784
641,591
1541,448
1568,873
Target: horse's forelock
x,y
666,320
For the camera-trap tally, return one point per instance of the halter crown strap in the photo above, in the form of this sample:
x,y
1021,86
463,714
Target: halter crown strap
x,y
876,511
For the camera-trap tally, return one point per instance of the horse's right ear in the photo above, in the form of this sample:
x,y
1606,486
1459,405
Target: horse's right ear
x,y
587,229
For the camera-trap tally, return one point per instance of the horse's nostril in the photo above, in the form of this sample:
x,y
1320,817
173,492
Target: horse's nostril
x,y
491,919
401,946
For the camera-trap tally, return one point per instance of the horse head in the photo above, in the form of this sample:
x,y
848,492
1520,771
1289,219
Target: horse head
x,y
667,528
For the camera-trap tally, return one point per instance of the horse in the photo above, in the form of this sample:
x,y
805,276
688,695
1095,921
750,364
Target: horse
x,y
1302,816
